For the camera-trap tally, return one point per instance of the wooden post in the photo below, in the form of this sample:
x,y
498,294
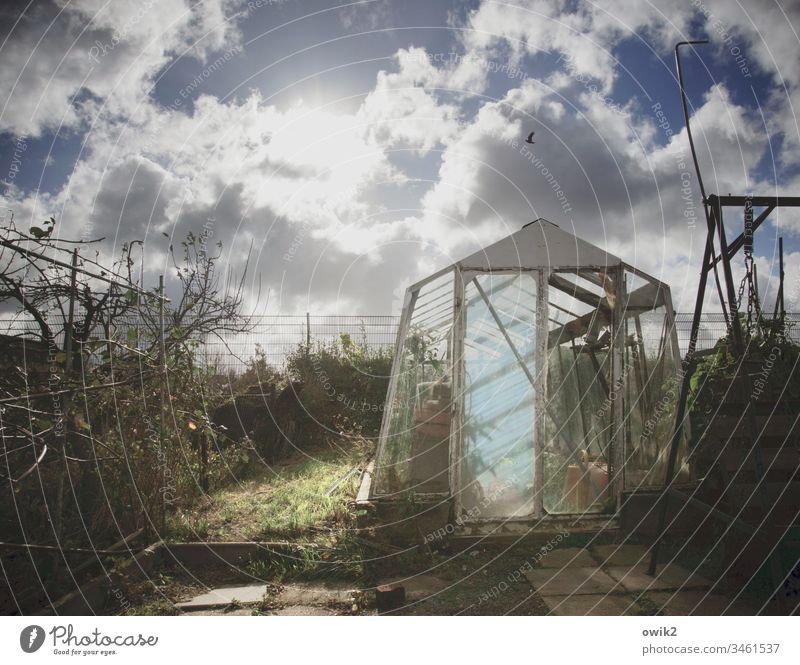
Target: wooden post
x,y
204,461
58,522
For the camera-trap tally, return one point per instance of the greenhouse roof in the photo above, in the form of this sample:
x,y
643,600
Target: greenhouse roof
x,y
539,244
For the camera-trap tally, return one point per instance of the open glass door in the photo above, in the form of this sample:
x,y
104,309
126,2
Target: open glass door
x,y
578,433
498,399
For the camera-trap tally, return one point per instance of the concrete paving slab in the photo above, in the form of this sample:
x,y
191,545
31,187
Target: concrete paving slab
x,y
621,555
574,557
697,603
595,605
568,581
636,579
222,597
319,594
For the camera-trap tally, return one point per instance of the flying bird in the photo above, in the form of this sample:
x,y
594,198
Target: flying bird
x,y
530,138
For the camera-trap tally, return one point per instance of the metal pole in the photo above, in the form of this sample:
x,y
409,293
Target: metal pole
x,y
686,109
308,333
688,362
162,361
687,369
780,288
733,308
706,206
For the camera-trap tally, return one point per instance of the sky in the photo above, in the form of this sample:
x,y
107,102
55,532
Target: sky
x,y
352,149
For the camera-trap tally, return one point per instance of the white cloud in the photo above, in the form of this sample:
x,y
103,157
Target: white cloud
x,y
59,53
318,186
400,111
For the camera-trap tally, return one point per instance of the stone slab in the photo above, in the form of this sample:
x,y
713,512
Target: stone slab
x,y
636,579
568,581
315,594
222,597
574,557
697,603
621,555
593,605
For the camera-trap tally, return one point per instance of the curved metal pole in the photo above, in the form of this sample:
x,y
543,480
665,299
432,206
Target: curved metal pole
x,y
686,110
685,107
688,362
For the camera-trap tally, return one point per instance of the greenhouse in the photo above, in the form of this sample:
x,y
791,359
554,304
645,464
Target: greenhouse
x,y
533,379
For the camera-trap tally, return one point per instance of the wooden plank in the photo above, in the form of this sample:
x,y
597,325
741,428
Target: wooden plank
x,y
579,293
366,484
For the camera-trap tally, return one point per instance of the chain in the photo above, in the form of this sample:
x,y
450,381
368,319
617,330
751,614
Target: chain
x,y
749,279
741,289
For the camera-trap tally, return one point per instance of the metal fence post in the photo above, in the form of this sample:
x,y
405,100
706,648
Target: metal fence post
x,y
68,340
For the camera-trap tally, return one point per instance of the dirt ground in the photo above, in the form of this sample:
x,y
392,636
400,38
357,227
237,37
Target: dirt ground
x,y
338,569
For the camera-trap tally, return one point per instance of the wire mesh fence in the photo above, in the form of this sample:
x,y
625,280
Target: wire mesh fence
x,y
275,336
713,327
279,335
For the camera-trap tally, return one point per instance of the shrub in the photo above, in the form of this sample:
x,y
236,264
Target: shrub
x,y
341,385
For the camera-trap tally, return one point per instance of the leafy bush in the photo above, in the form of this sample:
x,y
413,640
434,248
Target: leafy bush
x,y
93,456
259,374
771,363
341,385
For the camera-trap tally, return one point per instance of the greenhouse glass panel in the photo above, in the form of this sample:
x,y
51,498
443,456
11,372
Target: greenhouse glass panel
x,y
652,385
578,418
413,452
499,411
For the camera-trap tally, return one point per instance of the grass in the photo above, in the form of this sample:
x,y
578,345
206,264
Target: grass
x,y
285,501
288,502
154,607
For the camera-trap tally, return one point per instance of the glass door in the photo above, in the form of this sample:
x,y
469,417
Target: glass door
x,y
499,413
580,391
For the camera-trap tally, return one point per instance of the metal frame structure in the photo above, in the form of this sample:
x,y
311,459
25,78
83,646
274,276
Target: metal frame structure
x,y
716,229
713,207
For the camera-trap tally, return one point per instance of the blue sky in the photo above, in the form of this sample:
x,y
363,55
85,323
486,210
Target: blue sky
x,y
370,142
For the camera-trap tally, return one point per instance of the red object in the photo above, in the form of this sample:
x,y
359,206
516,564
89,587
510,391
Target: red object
x,y
582,488
433,422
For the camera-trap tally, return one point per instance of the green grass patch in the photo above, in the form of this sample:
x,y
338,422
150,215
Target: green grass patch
x,y
284,501
154,607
